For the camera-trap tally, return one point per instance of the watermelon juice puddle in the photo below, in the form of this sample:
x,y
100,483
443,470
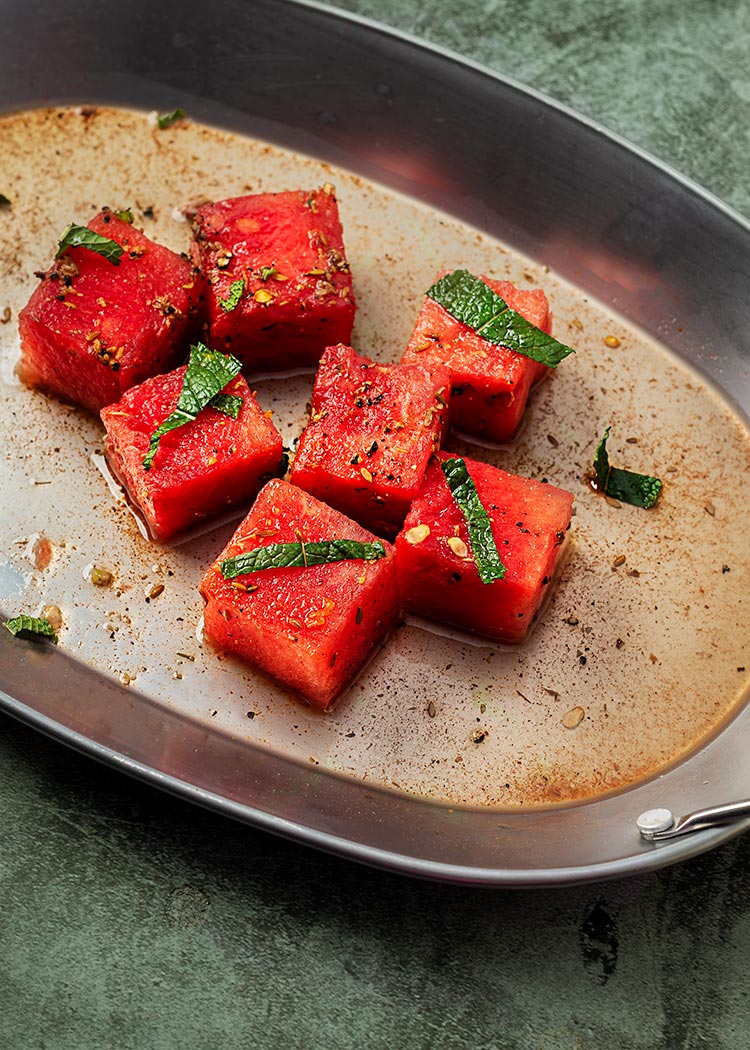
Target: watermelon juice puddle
x,y
122,496
684,624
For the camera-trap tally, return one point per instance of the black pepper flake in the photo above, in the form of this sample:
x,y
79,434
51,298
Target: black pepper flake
x,y
372,449
619,643
582,661
725,568
251,714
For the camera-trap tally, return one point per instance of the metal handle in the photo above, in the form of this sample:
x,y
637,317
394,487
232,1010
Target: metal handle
x,y
655,825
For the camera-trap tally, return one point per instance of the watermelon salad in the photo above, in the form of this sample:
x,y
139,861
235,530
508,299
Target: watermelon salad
x,y
377,517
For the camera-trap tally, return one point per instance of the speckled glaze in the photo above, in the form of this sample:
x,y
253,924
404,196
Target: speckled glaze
x,y
646,632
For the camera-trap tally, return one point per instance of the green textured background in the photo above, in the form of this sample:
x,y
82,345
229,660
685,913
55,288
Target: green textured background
x,y
130,919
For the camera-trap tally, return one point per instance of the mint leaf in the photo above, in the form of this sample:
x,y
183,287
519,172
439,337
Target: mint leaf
x,y
32,627
83,237
640,490
227,404
165,120
297,555
125,215
208,372
267,271
236,288
474,303
483,546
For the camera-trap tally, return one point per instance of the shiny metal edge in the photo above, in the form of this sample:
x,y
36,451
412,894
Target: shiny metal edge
x,y
645,861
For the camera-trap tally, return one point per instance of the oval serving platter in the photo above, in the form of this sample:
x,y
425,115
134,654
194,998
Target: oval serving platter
x,y
446,759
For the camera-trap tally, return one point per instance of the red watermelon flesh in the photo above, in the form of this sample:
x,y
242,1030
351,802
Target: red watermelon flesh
x,y
202,469
287,251
310,628
92,329
529,522
490,383
371,433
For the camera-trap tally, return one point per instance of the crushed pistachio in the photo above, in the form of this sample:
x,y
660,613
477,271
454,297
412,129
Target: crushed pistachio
x,y
101,577
458,547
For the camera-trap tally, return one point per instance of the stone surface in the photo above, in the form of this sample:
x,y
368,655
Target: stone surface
x,y
131,919
671,77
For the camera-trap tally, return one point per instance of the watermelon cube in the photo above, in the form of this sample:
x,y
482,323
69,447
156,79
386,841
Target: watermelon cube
x,y
202,469
437,574
311,628
490,383
280,286
92,329
371,433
